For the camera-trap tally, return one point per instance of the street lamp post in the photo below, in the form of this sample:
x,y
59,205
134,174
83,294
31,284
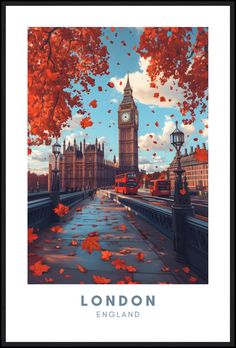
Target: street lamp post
x,y
55,189
182,204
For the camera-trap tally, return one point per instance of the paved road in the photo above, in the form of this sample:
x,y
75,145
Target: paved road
x,y
122,233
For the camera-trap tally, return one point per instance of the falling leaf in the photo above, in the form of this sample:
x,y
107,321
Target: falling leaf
x,y
90,244
162,99
113,29
106,255
93,103
86,122
195,139
31,235
49,280
156,95
100,88
61,209
38,268
156,124
111,84
101,280
61,270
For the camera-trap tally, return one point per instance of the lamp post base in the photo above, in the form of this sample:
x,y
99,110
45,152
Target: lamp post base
x,y
179,213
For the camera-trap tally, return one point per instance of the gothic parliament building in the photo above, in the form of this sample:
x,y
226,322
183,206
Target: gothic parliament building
x,y
83,165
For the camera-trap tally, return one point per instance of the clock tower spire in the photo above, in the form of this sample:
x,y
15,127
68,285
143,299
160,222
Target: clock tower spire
x,y
128,132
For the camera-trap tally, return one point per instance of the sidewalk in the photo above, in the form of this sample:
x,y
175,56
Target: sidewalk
x,y
135,252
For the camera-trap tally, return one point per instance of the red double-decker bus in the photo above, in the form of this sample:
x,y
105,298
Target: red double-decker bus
x,y
160,187
126,183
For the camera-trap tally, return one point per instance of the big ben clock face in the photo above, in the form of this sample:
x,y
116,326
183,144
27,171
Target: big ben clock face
x,y
125,117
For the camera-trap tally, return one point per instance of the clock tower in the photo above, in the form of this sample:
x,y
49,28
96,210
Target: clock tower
x,y
128,132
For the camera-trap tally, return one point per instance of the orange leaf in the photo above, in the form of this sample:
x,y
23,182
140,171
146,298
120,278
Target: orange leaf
x,y
31,235
74,242
111,84
81,268
101,280
140,256
93,103
119,264
86,122
131,268
61,270
182,191
193,279
186,269
106,255
56,229
122,227
38,268
90,244
61,209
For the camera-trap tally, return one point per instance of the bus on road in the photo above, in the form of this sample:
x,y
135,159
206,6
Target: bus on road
x,y
126,183
160,187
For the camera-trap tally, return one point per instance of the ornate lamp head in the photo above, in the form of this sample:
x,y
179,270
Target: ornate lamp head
x,y
177,138
56,149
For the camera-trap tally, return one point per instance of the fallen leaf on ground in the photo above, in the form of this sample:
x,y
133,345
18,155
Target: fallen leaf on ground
x,y
106,255
38,268
90,244
31,235
101,280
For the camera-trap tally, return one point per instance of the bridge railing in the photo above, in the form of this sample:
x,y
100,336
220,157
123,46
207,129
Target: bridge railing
x,y
196,244
195,230
40,211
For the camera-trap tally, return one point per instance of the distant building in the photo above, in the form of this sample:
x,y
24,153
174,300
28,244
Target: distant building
x,y
195,165
83,166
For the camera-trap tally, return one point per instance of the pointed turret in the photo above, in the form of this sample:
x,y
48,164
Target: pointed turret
x,y
128,89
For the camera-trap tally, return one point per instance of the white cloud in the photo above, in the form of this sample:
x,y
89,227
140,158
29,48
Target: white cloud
x,y
114,100
154,141
205,131
152,167
142,92
38,155
102,140
74,122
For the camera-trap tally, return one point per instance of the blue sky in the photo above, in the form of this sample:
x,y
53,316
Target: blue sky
x,y
123,59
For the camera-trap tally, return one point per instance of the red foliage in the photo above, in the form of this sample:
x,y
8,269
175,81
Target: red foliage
x,y
31,235
177,53
56,57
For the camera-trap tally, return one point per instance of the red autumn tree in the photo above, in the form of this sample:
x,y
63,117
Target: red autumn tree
x,y
59,59
180,54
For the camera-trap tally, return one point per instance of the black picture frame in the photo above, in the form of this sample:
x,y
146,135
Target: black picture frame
x,y
4,5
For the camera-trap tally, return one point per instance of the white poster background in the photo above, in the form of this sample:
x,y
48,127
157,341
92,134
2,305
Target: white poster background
x,y
53,312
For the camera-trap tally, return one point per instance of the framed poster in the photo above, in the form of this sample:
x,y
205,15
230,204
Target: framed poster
x,y
116,151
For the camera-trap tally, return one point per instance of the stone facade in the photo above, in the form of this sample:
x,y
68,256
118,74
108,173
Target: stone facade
x,y
83,166
196,170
